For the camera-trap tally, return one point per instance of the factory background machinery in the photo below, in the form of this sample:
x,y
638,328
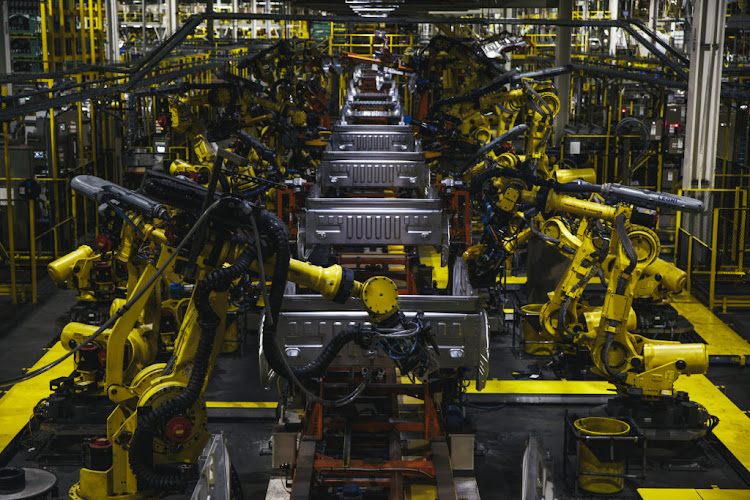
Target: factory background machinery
x,y
374,249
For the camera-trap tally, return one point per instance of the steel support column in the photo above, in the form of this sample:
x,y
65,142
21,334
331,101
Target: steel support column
x,y
562,58
653,14
113,32
704,93
614,14
172,22
5,60
210,21
235,23
254,23
268,21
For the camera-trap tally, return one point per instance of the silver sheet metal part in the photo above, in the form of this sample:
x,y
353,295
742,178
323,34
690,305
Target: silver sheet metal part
x,y
368,138
215,464
459,325
374,222
375,174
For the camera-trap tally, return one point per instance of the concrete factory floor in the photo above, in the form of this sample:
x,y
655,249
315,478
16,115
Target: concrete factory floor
x,y
500,433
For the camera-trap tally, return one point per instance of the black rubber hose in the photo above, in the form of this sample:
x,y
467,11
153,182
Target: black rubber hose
x,y
644,132
562,328
141,455
319,365
627,245
270,224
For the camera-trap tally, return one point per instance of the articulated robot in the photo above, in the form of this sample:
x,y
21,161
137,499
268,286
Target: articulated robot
x,y
607,241
158,426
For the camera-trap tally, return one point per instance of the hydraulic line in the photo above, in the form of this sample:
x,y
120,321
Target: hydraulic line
x,y
276,359
627,245
140,455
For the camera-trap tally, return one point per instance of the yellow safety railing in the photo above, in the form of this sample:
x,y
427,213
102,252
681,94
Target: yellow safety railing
x,y
718,256
545,42
362,43
593,14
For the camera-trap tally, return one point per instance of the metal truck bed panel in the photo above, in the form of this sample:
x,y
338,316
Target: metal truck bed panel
x,y
374,221
354,128
368,113
368,139
331,154
366,142
367,173
460,327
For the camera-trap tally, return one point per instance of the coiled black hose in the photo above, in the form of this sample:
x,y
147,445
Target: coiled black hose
x,y
270,224
140,455
319,365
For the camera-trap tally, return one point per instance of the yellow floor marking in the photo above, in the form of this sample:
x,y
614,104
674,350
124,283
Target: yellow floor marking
x,y
241,404
521,280
17,405
733,423
721,339
421,492
544,387
690,494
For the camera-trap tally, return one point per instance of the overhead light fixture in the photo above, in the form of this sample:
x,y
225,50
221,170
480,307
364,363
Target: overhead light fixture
x,y
373,9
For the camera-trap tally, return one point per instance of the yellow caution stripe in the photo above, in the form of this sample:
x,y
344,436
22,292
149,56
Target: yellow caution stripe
x,y
17,405
691,494
242,404
733,422
562,387
722,340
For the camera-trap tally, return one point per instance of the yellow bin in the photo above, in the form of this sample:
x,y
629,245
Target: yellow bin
x,y
587,461
534,342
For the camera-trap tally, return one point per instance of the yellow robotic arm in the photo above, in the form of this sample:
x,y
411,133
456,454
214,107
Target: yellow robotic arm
x,y
636,365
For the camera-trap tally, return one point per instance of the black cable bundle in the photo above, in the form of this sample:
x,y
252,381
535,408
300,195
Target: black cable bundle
x,y
141,456
271,225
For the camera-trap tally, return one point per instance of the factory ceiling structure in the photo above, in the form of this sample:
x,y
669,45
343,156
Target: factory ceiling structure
x,y
374,249
373,8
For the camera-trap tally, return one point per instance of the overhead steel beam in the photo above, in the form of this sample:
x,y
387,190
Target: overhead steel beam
x,y
147,64
10,113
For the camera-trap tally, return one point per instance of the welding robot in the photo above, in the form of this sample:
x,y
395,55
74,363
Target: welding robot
x,y
608,236
158,427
